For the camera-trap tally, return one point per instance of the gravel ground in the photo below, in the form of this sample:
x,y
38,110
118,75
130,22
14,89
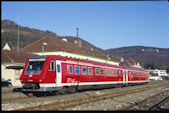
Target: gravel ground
x,y
108,104
146,105
117,103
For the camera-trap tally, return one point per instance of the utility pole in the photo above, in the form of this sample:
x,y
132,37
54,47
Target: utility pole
x,y
43,47
18,37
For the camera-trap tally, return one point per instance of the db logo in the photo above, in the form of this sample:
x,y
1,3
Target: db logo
x,y
70,80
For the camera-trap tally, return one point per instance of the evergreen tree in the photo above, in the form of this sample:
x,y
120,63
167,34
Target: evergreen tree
x,y
167,69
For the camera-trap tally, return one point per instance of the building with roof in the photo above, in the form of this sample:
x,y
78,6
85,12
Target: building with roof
x,y
55,46
131,63
158,74
6,47
12,64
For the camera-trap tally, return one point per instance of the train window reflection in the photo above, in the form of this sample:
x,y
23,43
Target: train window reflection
x,y
77,71
106,72
58,68
34,67
102,72
52,66
110,72
90,71
114,72
70,69
97,71
84,70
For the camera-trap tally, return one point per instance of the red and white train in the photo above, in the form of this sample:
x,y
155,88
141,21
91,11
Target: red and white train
x,y
53,73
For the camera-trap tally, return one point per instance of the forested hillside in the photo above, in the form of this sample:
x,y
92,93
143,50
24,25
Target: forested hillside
x,y
148,56
9,33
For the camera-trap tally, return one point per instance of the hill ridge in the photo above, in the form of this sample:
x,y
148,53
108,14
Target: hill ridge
x,y
143,54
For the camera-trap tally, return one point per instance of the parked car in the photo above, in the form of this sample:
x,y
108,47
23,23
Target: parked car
x,y
6,83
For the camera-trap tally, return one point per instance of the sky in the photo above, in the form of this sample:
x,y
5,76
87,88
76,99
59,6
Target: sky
x,y
105,24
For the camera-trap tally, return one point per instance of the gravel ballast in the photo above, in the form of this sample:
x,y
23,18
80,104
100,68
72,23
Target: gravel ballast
x,y
107,104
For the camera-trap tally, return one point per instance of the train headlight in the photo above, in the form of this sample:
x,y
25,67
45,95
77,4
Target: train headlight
x,y
40,80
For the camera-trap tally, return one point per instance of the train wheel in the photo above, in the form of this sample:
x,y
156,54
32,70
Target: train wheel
x,y
61,92
129,85
118,85
71,89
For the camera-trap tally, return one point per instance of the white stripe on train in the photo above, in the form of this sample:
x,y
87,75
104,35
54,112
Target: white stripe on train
x,y
88,83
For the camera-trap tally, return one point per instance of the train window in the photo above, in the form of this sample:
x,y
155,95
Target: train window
x,y
70,69
117,72
132,73
129,74
106,72
102,71
34,67
52,66
77,71
97,71
136,73
58,68
110,72
114,72
90,71
120,73
84,70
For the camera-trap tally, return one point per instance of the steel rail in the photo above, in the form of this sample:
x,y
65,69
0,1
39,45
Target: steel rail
x,y
158,105
79,101
138,103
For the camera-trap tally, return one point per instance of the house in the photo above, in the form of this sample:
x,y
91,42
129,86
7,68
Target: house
x,y
12,64
55,46
131,63
154,76
160,74
6,47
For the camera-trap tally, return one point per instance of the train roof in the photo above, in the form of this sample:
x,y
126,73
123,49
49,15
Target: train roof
x,y
39,57
89,61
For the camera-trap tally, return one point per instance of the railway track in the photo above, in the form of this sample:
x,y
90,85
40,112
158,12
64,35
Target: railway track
x,y
12,96
158,105
63,105
8,96
142,105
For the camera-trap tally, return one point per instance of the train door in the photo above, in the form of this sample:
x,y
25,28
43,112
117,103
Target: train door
x,y
129,76
124,76
58,73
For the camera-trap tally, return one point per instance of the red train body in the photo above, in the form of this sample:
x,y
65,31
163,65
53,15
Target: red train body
x,y
52,73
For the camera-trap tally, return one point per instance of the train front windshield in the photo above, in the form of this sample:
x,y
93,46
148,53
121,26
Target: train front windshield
x,y
34,66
